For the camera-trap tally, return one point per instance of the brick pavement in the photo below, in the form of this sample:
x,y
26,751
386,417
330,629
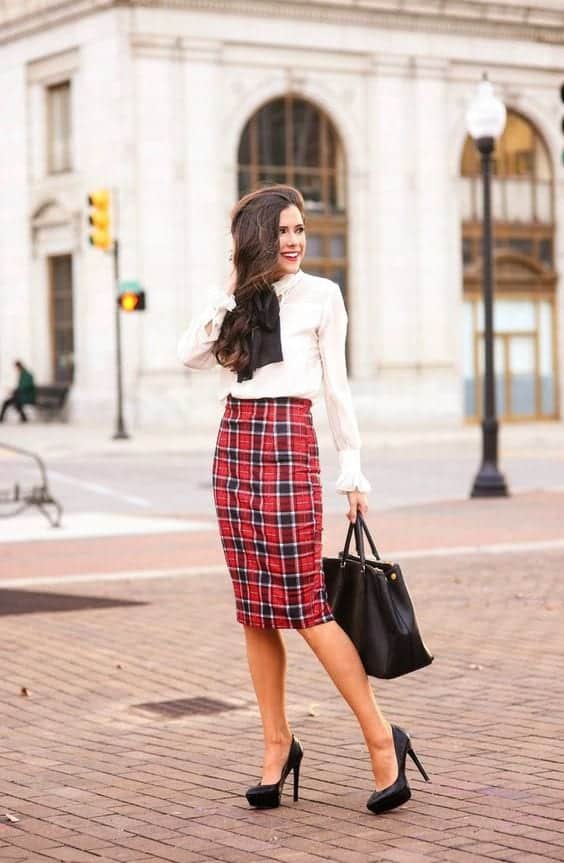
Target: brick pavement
x,y
93,776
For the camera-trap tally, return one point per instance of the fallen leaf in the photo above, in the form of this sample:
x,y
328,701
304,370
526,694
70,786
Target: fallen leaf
x,y
7,816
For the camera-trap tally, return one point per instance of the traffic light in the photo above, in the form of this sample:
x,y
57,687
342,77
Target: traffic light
x,y
131,298
100,234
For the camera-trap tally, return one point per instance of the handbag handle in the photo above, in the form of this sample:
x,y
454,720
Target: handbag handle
x,y
359,527
359,539
345,552
364,526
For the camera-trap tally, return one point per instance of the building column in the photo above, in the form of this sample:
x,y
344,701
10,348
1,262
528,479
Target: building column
x,y
180,214
393,216
16,297
438,309
417,313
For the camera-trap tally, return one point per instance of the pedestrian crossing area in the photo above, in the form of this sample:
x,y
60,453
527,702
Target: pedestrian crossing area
x,y
82,525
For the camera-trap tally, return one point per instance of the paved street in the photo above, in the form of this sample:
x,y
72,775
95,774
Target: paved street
x,y
104,626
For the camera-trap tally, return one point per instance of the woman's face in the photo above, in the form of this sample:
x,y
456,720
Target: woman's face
x,y
292,240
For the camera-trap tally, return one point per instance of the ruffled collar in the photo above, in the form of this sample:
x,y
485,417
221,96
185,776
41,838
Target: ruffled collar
x,y
287,282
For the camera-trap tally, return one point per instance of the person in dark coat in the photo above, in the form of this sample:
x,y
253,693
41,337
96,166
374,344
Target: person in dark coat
x,y
24,393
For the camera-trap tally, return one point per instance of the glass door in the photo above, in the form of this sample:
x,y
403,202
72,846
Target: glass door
x,y
524,359
516,380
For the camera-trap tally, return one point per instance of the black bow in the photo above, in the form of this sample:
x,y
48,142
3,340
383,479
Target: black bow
x,y
263,341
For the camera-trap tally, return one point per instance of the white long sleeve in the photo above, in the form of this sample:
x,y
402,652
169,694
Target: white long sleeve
x,y
338,398
195,345
313,325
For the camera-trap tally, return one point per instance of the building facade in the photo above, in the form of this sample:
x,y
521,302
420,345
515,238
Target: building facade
x,y
180,107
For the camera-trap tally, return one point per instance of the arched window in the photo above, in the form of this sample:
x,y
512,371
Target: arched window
x,y
290,140
525,279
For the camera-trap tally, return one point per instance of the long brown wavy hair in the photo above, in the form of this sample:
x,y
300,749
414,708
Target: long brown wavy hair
x,y
255,222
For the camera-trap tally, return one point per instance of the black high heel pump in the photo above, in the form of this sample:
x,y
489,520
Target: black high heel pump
x,y
268,796
399,792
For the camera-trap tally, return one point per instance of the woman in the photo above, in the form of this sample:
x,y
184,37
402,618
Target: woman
x,y
279,336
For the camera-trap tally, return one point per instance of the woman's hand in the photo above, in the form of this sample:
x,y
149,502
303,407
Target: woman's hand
x,y
358,501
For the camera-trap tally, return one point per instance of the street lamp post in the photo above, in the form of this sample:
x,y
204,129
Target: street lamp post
x,y
485,122
120,432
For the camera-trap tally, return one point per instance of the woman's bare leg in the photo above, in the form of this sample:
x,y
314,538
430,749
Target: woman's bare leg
x,y
266,654
338,655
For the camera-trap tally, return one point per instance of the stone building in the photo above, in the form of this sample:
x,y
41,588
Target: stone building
x,y
179,106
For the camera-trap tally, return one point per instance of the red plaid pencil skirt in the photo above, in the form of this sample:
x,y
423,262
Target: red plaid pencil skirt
x,y
267,493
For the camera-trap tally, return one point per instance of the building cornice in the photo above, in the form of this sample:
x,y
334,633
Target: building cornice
x,y
528,20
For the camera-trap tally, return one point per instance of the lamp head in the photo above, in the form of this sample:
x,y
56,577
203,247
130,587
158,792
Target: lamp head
x,y
486,114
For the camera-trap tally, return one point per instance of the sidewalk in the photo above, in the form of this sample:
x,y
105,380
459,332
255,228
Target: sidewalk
x,y
97,765
62,439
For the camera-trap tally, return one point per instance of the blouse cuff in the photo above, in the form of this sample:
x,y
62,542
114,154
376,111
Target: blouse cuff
x,y
351,477
221,304
224,301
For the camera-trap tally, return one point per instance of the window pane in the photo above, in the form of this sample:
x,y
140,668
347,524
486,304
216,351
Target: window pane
x,y
499,368
307,134
62,336
468,361
514,152
519,200
544,203
337,275
271,134
546,351
268,177
545,252
522,364
337,246
61,314
244,182
542,162
244,156
497,200
521,245
314,246
59,128
466,199
512,315
467,251
311,188
337,192
548,399
333,147
470,166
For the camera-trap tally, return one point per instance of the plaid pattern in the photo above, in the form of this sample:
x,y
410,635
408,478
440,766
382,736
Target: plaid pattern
x,y
267,493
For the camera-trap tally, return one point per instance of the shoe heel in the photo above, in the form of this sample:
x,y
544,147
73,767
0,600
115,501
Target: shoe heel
x,y
420,767
296,780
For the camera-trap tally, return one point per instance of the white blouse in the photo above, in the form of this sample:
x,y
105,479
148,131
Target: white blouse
x,y
313,326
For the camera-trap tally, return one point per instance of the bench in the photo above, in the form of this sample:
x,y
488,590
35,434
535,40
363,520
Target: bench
x,y
50,399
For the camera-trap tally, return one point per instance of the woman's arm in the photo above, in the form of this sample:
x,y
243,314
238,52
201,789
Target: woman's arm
x,y
340,409
195,348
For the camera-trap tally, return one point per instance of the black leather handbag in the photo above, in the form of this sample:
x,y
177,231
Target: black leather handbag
x,y
371,602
